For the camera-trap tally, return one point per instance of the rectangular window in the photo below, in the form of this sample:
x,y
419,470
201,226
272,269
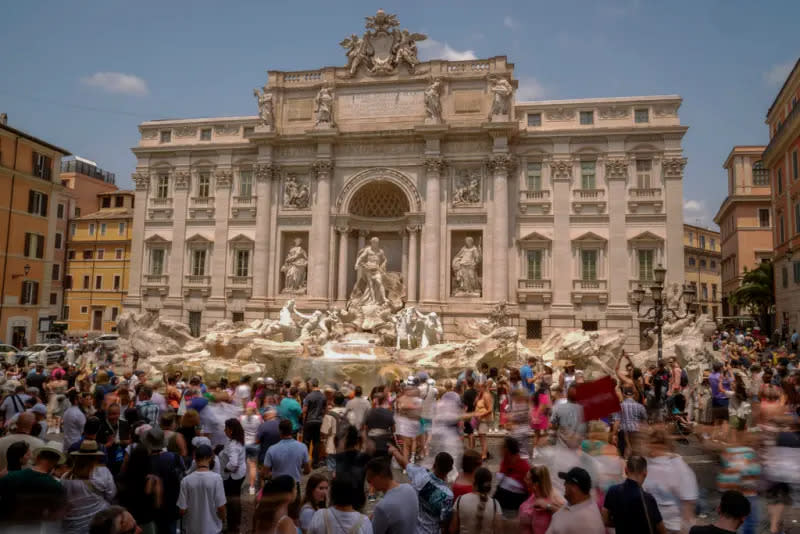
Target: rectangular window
x,y
242,267
763,217
34,245
533,329
68,281
53,299
704,288
162,186
58,241
103,228
37,203
205,134
781,231
534,119
199,262
42,166
60,211
91,228
119,201
106,202
30,292
121,228
641,116
779,179
646,264
118,254
587,175
643,168
702,241
56,274
84,310
587,117
195,318
534,266
71,255
237,317
114,313
796,271
72,229
117,282
713,244
101,253
88,254
534,177
157,261
785,277
246,184
98,282
713,291
797,218
589,326
203,185
692,261
166,136
794,165
589,265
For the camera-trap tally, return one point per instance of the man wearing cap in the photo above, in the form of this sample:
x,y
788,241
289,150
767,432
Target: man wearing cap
x,y
627,507
580,515
33,494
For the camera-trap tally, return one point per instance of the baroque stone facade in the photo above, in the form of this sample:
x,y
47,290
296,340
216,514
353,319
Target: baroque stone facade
x,y
476,198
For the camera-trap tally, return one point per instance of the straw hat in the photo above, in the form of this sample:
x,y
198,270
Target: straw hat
x,y
51,446
89,447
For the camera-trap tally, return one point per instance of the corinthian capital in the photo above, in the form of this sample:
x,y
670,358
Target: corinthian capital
x,y
224,177
673,167
181,179
616,169
142,180
434,164
561,168
266,171
500,162
322,167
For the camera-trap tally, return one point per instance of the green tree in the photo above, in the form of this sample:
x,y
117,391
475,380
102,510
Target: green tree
x,y
757,293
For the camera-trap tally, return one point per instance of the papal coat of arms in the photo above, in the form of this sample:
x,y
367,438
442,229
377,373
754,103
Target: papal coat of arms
x,y
383,47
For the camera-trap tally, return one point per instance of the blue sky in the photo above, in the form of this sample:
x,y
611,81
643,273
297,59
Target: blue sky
x,y
83,74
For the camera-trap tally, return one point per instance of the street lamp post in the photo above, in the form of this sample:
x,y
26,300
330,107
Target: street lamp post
x,y
660,308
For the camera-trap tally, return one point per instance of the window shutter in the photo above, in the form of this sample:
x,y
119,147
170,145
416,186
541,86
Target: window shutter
x,y
44,206
23,297
27,244
31,200
35,163
40,246
35,296
68,282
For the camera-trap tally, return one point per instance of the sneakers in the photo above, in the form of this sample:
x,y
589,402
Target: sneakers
x,y
252,490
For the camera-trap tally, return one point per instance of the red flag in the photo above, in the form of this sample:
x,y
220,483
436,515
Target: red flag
x,y
598,398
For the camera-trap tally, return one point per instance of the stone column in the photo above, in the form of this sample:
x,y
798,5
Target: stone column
x,y
404,256
561,176
263,173
413,267
341,293
672,169
431,242
138,257
181,180
500,164
219,258
616,171
319,246
362,239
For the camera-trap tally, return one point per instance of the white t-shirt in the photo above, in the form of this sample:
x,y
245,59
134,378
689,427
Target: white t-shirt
x,y
250,423
339,522
200,495
242,393
670,480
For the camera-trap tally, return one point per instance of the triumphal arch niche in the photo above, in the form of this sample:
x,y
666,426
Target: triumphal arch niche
x,y
413,153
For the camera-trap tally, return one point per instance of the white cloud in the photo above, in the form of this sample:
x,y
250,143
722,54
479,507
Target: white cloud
x,y
777,74
695,212
530,89
433,49
509,23
117,82
693,206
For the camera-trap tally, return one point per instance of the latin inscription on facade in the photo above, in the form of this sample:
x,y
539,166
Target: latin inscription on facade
x,y
299,109
383,104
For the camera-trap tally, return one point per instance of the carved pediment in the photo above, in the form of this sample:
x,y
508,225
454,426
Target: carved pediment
x,y
589,237
647,237
241,239
198,239
535,237
156,239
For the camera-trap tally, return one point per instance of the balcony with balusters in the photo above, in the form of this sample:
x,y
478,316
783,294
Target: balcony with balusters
x,y
589,289
243,207
159,283
242,285
196,283
645,197
160,208
530,290
537,201
589,201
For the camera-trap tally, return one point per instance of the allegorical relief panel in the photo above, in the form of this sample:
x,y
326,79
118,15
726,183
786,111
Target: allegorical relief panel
x,y
467,187
296,192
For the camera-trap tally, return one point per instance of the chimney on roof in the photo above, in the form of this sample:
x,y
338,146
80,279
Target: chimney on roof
x,y
4,118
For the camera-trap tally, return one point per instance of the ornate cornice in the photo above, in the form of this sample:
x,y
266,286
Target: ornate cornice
x,y
434,164
673,167
500,162
322,167
185,131
224,178
614,112
142,180
616,169
560,114
181,179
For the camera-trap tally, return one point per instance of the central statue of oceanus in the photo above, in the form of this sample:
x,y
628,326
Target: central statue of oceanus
x,y
377,293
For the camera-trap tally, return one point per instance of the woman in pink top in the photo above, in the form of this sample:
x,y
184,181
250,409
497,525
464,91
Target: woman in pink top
x,y
540,414
536,513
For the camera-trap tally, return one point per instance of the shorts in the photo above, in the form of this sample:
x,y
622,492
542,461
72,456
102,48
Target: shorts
x,y
252,451
779,493
719,413
425,425
483,428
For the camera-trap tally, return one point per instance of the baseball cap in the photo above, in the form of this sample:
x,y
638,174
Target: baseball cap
x,y
578,476
39,408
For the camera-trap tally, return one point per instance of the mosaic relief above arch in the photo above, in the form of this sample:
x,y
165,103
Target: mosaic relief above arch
x,y
374,177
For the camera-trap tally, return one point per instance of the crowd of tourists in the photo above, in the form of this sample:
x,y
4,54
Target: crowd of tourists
x,y
98,446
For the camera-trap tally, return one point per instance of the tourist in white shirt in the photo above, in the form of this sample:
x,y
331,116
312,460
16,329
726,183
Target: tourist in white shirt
x,y
581,515
251,420
201,500
234,468
74,417
672,482
242,391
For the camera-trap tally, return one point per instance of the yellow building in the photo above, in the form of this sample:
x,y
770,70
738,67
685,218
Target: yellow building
x,y
702,256
98,264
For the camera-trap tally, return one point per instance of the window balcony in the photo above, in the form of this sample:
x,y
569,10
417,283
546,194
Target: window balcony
x,y
244,201
584,290
649,198
239,285
538,200
160,201
196,283
202,213
529,290
589,201
646,193
588,194
159,283
781,133
240,281
202,201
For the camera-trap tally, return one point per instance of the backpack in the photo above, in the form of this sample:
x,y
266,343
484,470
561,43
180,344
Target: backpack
x,y
684,378
342,424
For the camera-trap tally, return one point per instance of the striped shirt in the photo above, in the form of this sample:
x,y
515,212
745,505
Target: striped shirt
x,y
631,413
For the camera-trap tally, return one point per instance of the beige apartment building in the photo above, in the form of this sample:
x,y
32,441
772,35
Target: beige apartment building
x,y
702,257
559,208
744,219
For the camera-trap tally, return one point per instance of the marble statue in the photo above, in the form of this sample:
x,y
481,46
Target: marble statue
x,y
294,268
498,317
465,268
382,48
432,331
358,52
295,194
415,329
265,110
433,102
323,107
405,48
468,190
501,97
371,268
673,294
